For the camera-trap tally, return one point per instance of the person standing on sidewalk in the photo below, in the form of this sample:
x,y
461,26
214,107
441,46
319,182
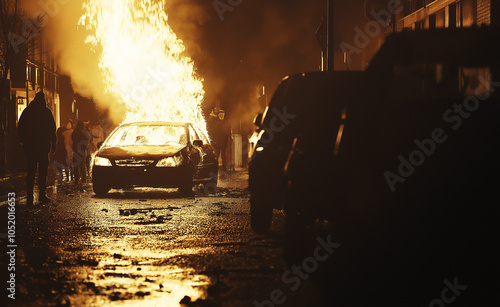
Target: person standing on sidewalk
x,y
37,134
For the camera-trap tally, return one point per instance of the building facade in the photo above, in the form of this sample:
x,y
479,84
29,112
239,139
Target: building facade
x,y
36,71
33,69
428,14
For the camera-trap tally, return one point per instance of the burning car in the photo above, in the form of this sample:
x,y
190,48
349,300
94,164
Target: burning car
x,y
154,154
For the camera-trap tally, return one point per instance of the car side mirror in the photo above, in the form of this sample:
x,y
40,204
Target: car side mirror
x,y
258,120
198,143
99,145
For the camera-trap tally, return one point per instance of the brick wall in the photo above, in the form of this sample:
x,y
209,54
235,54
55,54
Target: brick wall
x,y
483,12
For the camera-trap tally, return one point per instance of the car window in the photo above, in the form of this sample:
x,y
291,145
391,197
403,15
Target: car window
x,y
416,96
137,135
202,136
192,134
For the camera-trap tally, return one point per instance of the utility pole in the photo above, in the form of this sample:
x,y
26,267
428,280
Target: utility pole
x,y
330,29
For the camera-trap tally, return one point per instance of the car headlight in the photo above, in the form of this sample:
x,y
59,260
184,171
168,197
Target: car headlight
x,y
169,162
261,133
100,161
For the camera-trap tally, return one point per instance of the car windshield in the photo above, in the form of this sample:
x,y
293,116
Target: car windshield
x,y
140,135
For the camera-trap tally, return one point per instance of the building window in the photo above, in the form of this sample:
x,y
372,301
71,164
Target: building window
x,y
452,16
420,25
483,12
432,21
475,81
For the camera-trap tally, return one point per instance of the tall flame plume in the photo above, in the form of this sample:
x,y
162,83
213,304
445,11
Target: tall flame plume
x,y
142,61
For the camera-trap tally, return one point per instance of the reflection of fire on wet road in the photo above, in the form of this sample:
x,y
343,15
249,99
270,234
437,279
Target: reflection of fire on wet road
x,y
138,247
142,61
125,278
148,247
90,252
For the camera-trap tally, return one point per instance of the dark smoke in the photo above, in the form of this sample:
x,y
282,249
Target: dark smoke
x,y
256,45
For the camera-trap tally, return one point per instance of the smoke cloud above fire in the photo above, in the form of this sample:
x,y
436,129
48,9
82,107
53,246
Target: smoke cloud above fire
x,y
257,43
73,55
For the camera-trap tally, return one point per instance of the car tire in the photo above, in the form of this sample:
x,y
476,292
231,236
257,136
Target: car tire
x,y
214,177
297,219
210,187
100,189
186,189
261,214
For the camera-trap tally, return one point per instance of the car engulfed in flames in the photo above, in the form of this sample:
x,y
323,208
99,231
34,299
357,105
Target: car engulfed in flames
x,y
156,155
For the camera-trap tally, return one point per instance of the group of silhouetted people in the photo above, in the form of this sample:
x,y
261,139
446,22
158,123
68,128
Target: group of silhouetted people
x,y
71,147
72,155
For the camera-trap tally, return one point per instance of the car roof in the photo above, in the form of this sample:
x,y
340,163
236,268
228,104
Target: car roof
x,y
307,84
474,47
310,93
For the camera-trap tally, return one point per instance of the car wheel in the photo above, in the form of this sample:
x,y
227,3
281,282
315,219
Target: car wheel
x,y
186,189
211,186
297,218
261,213
100,189
214,177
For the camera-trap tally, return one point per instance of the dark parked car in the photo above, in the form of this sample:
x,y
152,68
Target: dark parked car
x,y
297,101
154,154
407,174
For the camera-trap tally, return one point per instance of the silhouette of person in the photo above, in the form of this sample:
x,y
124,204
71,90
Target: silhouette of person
x,y
59,164
220,133
81,141
89,147
37,134
68,144
97,135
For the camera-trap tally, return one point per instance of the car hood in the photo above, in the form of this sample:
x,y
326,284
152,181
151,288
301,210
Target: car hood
x,y
151,152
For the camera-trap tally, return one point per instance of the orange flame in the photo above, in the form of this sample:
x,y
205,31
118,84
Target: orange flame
x,y
142,61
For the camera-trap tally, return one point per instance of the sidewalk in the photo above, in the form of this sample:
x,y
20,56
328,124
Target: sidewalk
x,y
234,179
15,182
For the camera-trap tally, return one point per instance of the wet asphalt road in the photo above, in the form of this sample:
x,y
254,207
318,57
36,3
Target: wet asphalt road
x,y
146,247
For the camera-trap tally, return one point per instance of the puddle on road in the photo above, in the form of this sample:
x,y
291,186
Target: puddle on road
x,y
149,286
132,275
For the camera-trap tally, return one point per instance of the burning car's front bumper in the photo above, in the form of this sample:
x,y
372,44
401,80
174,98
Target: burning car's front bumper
x,y
141,176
